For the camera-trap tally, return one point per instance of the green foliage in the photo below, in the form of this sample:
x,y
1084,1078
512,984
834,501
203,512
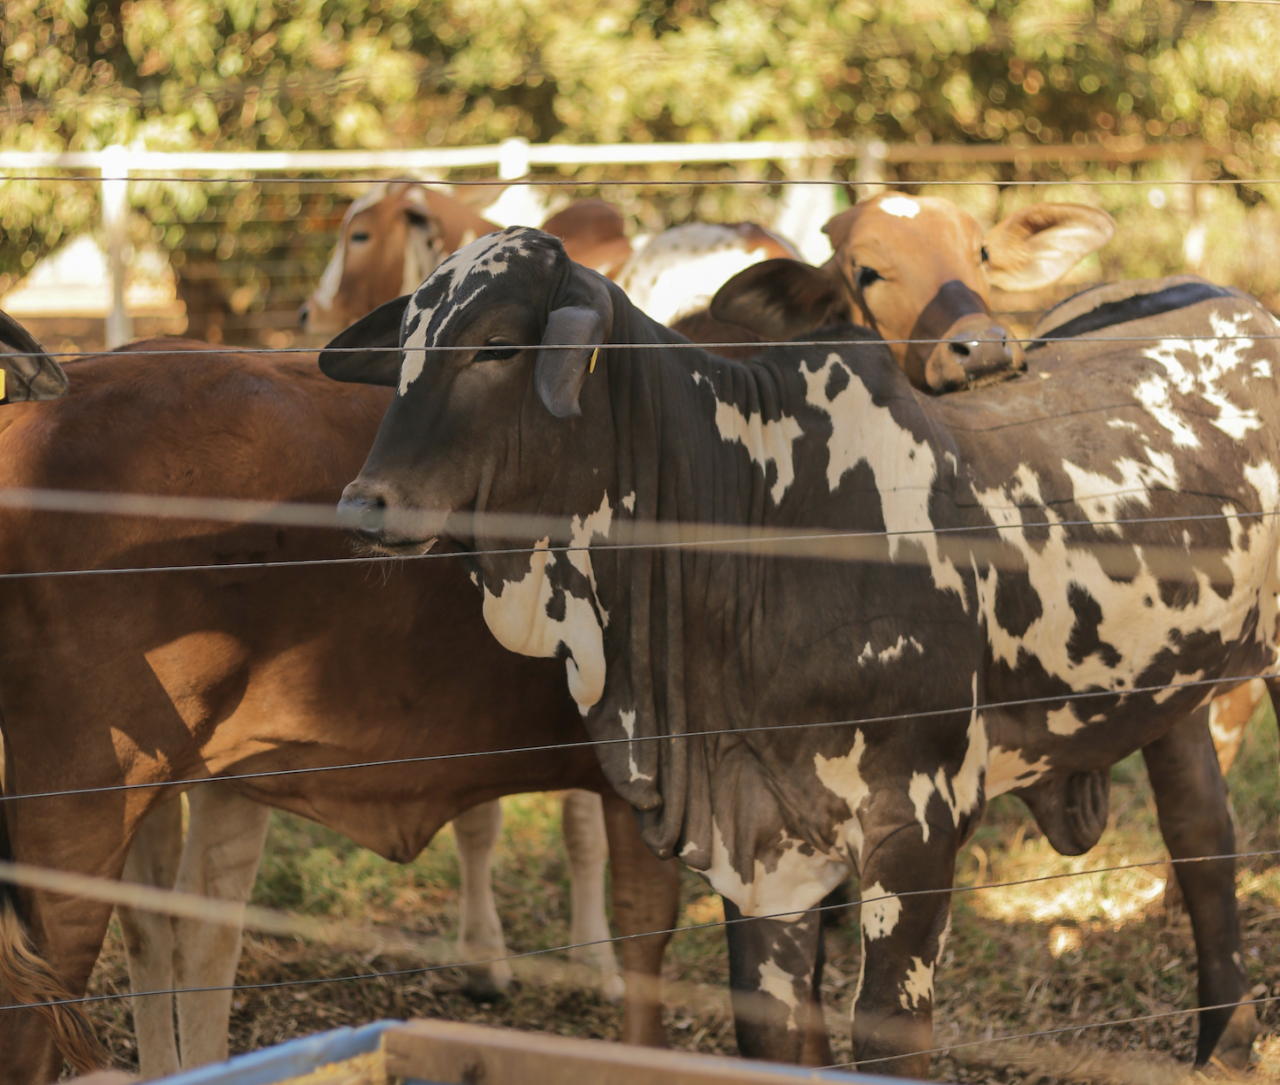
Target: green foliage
x,y
266,74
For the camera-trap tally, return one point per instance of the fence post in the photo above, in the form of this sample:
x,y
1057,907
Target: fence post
x,y
1191,167
870,171
115,221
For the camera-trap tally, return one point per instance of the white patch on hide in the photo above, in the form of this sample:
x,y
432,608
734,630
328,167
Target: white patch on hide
x,y
518,619
905,469
1217,358
888,655
920,791
842,776
1007,770
1178,679
489,255
776,981
918,986
795,884
880,911
1101,496
902,207
628,720
629,502
1062,721
765,442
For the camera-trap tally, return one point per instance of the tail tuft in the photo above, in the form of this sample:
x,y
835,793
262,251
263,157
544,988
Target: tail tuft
x,y
30,979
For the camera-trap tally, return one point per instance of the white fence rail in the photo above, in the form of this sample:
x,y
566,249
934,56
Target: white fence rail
x,y
513,159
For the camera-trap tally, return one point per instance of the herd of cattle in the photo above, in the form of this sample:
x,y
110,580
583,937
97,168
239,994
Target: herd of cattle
x,y
1035,559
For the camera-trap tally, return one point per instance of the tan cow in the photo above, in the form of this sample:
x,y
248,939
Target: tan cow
x,y
919,271
594,235
149,677
391,238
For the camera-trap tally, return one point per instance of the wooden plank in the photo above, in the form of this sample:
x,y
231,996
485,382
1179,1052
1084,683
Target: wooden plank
x,y
453,1053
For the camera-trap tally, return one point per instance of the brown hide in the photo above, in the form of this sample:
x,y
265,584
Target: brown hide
x,y
372,248
594,235
156,676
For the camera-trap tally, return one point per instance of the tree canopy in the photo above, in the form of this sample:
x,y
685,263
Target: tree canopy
x,y
278,74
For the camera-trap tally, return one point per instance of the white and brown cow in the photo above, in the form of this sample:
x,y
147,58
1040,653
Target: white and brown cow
x,y
1023,585
919,270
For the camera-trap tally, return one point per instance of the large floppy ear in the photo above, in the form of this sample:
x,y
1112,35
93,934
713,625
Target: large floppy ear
x,y
29,373
573,334
778,299
344,361
1041,243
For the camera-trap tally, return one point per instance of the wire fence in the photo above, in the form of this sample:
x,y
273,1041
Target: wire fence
x,y
818,544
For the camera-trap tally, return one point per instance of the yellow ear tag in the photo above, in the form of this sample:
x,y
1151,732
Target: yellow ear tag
x,y
590,369
4,392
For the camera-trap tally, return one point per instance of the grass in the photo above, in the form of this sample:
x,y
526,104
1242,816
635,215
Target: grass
x,y
1021,959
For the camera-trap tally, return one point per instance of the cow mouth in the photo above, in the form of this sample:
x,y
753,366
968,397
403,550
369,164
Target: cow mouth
x,y
388,529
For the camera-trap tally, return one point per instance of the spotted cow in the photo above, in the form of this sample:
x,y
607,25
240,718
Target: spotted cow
x,y
919,271
996,590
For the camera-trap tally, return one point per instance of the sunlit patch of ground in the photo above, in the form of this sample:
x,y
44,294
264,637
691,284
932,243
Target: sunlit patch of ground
x,y
1046,955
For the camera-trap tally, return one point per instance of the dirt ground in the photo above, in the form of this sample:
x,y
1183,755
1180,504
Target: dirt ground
x,y
1072,952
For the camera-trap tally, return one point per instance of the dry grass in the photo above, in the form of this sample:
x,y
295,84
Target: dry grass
x,y
1021,959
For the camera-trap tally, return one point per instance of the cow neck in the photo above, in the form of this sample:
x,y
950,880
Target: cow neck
x,y
691,432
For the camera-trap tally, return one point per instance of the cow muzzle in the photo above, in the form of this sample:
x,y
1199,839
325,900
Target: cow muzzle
x,y
380,521
975,350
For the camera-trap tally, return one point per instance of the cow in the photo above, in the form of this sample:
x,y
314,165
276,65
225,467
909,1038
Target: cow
x,y
390,239
919,270
396,234
594,235
947,598
164,678
674,276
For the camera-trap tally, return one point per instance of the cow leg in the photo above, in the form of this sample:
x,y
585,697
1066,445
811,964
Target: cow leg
x,y
1191,801
148,939
773,979
476,832
585,844
1228,716
905,917
646,897
225,837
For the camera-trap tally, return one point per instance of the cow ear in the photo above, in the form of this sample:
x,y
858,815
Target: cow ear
x,y
777,299
30,374
343,360
1039,244
569,343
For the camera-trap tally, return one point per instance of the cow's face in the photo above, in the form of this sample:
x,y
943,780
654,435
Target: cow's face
x,y
390,241
919,268
493,350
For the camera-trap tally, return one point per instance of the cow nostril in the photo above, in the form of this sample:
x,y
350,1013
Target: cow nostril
x,y
962,349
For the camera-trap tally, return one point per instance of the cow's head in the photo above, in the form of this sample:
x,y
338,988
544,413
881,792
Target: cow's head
x,y
488,355
919,268
29,373
391,239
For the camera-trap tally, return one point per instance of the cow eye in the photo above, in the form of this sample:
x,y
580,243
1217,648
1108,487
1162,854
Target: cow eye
x,y
867,276
986,256
360,235
496,352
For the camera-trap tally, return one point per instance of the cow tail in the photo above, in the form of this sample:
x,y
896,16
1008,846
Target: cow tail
x,y
30,979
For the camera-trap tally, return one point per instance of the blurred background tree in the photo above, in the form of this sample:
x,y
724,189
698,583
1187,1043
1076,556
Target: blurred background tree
x,y
286,74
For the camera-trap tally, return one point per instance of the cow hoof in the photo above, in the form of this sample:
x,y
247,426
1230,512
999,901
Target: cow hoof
x,y
487,984
1234,1049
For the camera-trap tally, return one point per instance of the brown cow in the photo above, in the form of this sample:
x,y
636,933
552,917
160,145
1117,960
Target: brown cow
x,y
594,235
392,238
919,271
148,677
